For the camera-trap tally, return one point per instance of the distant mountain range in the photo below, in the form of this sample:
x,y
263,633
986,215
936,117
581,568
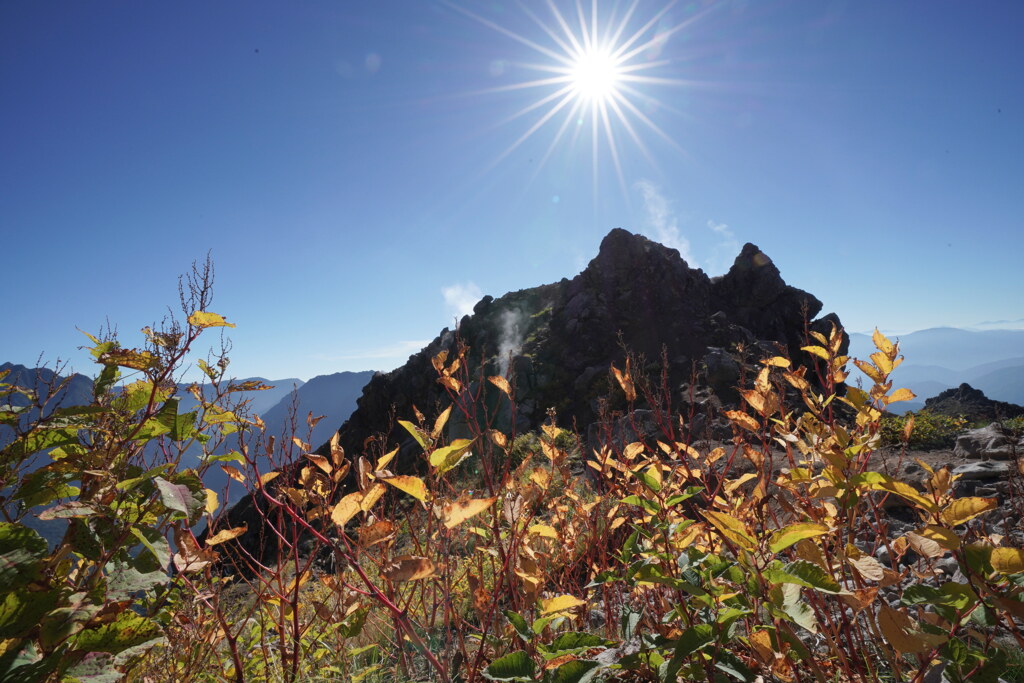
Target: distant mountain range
x,y
944,357
332,396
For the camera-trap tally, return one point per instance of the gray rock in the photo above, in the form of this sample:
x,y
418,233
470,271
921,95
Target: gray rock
x,y
948,565
986,470
990,443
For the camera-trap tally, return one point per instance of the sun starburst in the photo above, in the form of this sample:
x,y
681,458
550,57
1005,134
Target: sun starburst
x,y
595,70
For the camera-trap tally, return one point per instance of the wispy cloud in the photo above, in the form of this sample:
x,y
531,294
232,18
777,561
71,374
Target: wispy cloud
x,y
726,248
662,222
461,297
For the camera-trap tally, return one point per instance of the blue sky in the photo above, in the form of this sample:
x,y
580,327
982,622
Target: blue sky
x,y
352,166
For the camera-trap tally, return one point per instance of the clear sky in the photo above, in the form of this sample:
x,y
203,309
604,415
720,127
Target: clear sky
x,y
360,170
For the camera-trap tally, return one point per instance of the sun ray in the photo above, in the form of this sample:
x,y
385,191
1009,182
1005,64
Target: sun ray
x,y
598,69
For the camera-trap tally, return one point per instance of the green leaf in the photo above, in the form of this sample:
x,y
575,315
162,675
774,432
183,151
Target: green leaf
x,y
128,630
573,641
22,553
787,597
794,533
804,573
126,582
21,610
354,623
519,624
649,480
690,492
693,639
576,671
64,622
730,664
157,545
186,494
629,548
648,505
44,486
515,666
68,510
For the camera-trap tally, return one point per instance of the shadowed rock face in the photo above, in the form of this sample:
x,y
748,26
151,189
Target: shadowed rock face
x,y
635,294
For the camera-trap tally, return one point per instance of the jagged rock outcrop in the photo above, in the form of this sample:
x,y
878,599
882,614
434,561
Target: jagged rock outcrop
x,y
557,343
971,403
562,338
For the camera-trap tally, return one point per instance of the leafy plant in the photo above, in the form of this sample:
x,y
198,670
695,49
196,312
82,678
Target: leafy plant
x,y
922,430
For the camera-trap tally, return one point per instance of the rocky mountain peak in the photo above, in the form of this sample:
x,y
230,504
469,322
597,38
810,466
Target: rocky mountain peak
x,y
559,340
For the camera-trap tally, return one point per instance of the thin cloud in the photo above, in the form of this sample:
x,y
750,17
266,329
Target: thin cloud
x,y
725,250
461,297
662,224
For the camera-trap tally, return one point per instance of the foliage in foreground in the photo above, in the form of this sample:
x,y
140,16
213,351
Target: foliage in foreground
x,y
663,562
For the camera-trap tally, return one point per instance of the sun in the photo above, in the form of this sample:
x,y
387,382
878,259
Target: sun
x,y
595,76
596,73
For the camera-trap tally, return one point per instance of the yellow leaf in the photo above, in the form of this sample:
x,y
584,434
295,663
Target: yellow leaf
x,y
440,422
268,477
337,452
794,533
444,459
903,634
410,568
203,319
777,361
371,496
625,381
346,509
867,566
764,402
543,530
559,605
386,459
743,420
1008,560
375,533
412,485
926,547
816,351
883,344
498,438
226,535
731,528
964,509
881,482
501,383
234,473
541,478
908,428
458,512
321,462
941,535
129,358
212,502
901,395
884,364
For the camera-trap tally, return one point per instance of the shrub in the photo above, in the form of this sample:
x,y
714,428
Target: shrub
x,y
771,555
927,430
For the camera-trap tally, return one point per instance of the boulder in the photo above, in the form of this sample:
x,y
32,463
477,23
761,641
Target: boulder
x,y
988,443
985,470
